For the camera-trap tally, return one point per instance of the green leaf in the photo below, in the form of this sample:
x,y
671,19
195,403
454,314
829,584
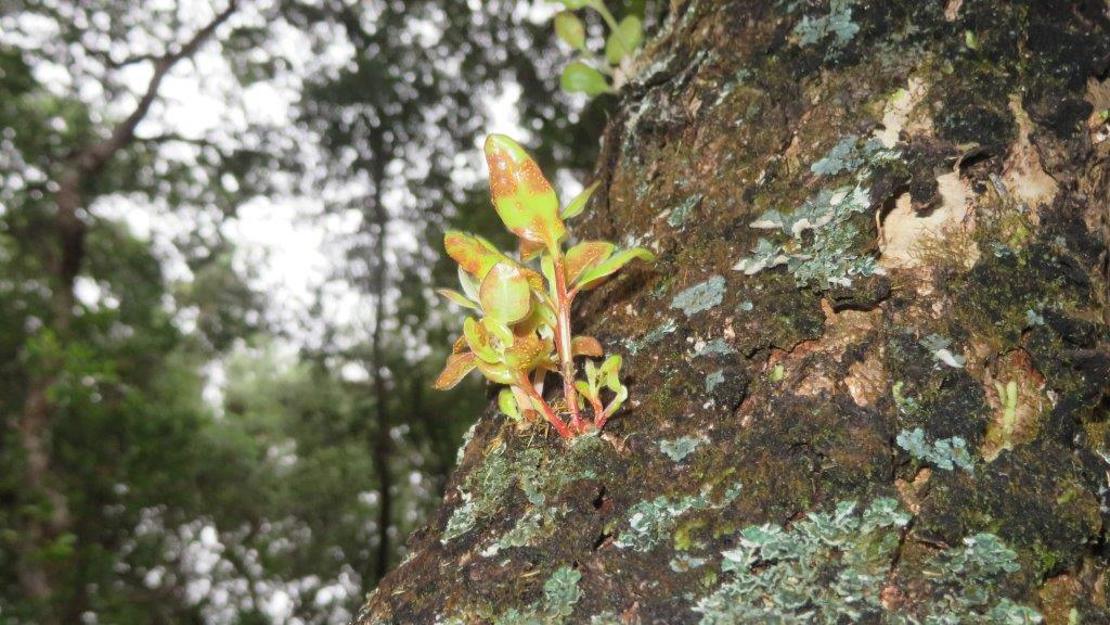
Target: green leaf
x,y
578,204
478,340
570,29
457,298
547,268
624,40
622,394
505,294
499,331
591,375
506,403
584,389
581,78
595,275
458,365
574,4
474,254
610,369
584,256
522,196
469,284
496,372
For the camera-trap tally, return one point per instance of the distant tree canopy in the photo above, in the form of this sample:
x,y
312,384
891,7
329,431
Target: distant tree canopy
x,y
171,455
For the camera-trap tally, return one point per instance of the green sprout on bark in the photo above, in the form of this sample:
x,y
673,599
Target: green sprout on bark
x,y
588,73
523,329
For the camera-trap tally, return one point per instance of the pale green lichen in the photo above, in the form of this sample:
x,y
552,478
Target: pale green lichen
x,y
938,346
461,521
560,593
849,155
817,240
467,437
714,347
713,380
535,525
811,30
480,492
652,337
701,296
540,478
840,158
651,521
677,449
831,567
945,453
826,257
684,562
679,213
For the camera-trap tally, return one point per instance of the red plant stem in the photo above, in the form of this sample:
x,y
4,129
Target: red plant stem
x,y
548,413
601,418
563,343
599,415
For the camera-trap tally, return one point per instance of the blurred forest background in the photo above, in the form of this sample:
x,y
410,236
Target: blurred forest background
x,y
220,228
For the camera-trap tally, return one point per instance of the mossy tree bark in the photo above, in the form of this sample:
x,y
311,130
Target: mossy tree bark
x,y
922,332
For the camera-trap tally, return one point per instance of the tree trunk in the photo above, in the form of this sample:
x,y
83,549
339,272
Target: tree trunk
x,y
893,407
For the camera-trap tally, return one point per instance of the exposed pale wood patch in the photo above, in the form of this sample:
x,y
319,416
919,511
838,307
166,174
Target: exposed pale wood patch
x,y
904,231
1024,172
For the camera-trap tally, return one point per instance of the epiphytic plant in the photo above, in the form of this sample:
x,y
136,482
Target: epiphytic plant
x,y
587,74
523,330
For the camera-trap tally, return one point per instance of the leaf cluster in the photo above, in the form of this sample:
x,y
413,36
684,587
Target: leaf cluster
x,y
522,302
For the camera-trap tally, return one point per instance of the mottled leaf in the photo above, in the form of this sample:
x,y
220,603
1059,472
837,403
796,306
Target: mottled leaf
x,y
585,255
575,207
594,275
458,365
459,346
505,294
479,340
526,352
530,249
581,78
523,198
472,253
624,40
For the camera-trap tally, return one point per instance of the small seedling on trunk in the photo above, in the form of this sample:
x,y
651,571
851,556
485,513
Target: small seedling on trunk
x,y
522,331
587,74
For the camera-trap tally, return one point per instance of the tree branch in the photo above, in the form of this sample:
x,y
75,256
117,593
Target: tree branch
x,y
91,159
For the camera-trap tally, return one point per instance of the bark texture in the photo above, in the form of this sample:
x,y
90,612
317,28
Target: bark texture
x,y
923,335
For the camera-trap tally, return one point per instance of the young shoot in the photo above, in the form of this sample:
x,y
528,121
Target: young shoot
x,y
522,329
